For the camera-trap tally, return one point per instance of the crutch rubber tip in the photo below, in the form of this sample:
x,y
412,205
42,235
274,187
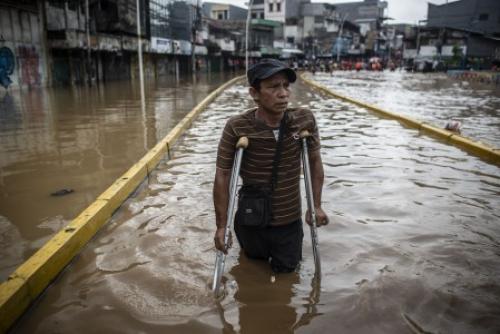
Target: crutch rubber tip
x,y
304,134
242,142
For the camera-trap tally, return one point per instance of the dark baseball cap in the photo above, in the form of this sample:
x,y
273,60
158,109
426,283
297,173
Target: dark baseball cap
x,y
266,68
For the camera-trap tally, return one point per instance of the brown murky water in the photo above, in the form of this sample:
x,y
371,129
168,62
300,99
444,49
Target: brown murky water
x,y
432,98
80,139
413,245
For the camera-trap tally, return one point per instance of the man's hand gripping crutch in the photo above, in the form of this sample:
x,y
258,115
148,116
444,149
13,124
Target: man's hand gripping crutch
x,y
220,260
315,216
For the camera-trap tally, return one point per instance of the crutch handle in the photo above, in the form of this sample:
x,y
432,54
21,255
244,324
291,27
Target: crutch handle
x,y
304,134
242,143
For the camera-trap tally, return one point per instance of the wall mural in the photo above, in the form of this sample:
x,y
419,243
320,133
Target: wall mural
x,y
6,66
28,62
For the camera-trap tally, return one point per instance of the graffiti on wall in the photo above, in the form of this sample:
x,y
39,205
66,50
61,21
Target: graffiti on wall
x,y
28,63
6,66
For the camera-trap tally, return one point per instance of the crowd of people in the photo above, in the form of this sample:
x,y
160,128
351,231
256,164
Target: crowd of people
x,y
330,65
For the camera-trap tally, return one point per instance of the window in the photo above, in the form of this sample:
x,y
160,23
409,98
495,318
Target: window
x,y
262,15
278,7
222,15
271,7
254,15
290,40
483,17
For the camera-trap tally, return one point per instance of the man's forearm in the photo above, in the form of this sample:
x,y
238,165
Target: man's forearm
x,y
221,196
317,177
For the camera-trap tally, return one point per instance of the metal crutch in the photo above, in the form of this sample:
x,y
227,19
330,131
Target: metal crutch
x,y
310,203
220,259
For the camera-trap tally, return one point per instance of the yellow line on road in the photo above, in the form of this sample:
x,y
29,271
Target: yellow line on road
x,y
489,154
26,283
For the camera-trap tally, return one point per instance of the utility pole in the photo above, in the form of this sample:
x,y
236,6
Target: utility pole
x,y
418,36
339,39
247,31
194,29
139,51
87,28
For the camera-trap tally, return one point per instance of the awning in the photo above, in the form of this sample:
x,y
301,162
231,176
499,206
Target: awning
x,y
269,51
255,54
293,51
200,50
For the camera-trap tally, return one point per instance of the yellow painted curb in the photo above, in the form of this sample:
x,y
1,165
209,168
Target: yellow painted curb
x,y
27,282
485,152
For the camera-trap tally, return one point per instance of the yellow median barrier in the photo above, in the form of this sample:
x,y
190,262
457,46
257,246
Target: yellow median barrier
x,y
485,152
26,283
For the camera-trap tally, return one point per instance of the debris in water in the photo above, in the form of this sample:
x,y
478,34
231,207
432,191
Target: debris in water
x,y
62,192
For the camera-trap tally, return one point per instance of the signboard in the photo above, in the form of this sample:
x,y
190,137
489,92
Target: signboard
x,y
181,47
427,51
226,44
161,45
200,50
409,53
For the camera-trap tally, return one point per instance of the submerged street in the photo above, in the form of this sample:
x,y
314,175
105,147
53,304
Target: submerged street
x,y
79,139
435,99
412,245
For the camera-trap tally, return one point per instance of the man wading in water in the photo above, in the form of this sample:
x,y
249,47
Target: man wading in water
x,y
268,222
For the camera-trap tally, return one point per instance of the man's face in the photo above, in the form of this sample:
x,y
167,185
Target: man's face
x,y
274,93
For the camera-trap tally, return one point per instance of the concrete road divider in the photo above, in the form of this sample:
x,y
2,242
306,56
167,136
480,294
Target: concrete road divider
x,y
489,154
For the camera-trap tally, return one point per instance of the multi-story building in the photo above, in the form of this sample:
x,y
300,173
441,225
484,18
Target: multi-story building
x,y
326,34
226,29
257,9
401,41
75,42
95,43
480,16
220,11
469,28
368,14
172,35
275,10
262,38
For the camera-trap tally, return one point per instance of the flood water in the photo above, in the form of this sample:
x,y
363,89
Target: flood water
x,y
413,244
80,139
432,98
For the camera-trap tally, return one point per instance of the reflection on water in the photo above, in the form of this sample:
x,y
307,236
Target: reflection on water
x,y
413,244
269,310
76,138
433,98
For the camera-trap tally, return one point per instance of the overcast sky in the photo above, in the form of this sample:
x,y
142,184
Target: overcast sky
x,y
402,11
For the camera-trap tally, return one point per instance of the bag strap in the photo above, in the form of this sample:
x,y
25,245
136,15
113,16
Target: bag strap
x,y
277,154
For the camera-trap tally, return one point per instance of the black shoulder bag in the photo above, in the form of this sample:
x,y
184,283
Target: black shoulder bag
x,y
254,200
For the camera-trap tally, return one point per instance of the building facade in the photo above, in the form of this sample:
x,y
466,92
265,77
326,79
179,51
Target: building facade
x,y
481,16
220,11
368,14
465,30
23,54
